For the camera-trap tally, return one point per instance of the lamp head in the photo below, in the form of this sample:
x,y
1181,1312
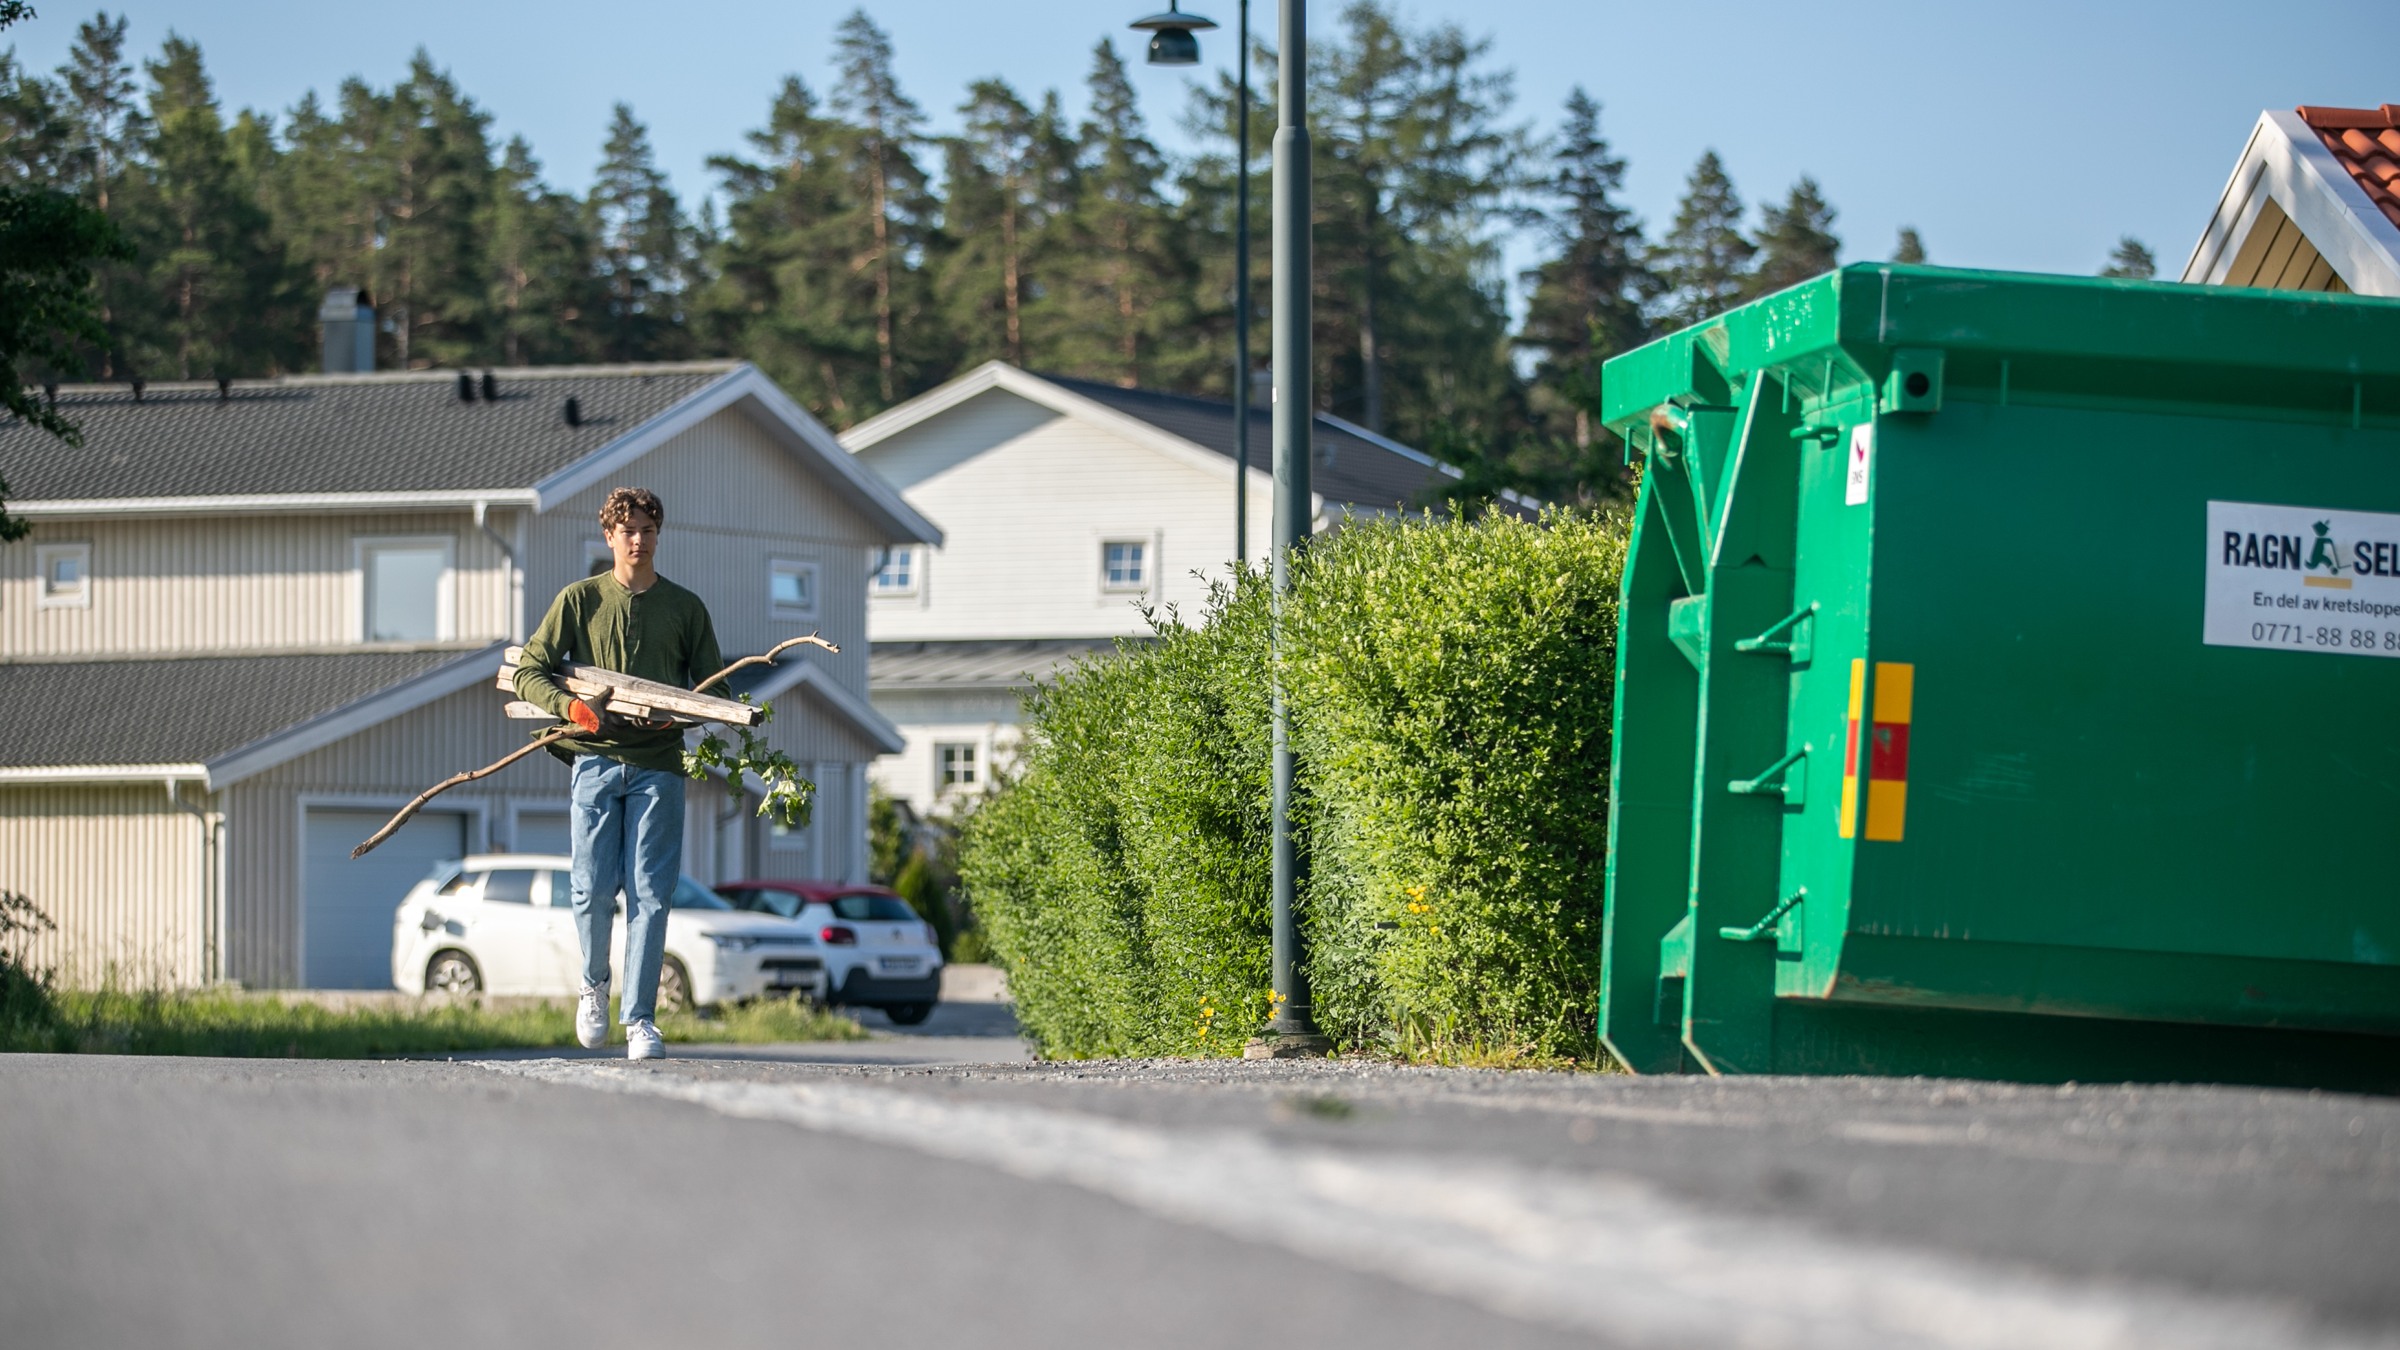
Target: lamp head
x,y
1171,40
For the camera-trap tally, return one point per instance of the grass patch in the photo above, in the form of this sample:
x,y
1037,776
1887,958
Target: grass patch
x,y
153,1022
764,1022
252,1025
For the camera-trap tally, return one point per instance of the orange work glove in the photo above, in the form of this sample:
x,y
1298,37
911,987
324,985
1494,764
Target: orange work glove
x,y
581,714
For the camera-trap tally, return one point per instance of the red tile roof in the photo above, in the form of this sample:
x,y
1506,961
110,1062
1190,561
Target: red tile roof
x,y
2367,142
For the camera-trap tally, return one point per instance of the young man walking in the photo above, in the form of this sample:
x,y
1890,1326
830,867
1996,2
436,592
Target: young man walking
x,y
626,824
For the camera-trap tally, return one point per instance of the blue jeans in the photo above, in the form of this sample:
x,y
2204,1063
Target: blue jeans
x,y
627,832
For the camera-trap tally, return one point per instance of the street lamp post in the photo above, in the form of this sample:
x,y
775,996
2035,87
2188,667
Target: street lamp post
x,y
1292,1030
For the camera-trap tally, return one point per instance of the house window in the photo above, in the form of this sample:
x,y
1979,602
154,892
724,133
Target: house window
x,y
66,575
404,589
955,765
1124,565
792,589
896,570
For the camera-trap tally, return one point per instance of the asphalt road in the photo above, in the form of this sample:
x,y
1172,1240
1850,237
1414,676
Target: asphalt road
x,y
739,1198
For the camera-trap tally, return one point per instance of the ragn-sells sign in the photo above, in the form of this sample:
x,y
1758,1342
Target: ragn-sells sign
x,y
2302,578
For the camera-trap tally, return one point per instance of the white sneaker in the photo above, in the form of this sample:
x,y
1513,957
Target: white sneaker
x,y
591,1017
642,1040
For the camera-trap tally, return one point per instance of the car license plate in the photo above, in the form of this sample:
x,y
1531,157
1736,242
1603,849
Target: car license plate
x,y
791,978
898,965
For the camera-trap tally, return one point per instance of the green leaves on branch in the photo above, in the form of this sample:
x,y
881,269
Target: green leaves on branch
x,y
787,799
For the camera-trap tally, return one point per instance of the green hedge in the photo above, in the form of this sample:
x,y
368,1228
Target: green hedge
x,y
1451,685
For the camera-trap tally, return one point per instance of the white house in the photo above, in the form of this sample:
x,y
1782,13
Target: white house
x,y
2313,205
255,617
1067,507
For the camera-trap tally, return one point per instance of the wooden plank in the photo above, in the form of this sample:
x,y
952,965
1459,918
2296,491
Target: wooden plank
x,y
630,697
521,711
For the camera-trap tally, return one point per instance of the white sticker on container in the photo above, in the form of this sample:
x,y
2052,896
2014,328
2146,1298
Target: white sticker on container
x,y
2303,578
1862,460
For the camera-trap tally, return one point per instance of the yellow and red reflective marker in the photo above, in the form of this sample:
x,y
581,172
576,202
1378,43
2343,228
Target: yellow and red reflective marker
x,y
1887,751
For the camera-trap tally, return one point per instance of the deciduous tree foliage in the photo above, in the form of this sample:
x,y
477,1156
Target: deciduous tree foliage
x,y
50,244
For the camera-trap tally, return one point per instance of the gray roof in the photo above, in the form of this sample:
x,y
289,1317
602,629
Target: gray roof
x,y
1350,468
401,432
186,710
999,664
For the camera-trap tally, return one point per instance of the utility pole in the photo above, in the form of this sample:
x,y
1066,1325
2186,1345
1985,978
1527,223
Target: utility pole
x,y
1292,1032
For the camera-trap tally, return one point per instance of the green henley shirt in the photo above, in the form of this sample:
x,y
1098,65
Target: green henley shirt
x,y
662,634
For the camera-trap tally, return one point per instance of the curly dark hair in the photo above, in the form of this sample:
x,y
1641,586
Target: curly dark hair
x,y
624,501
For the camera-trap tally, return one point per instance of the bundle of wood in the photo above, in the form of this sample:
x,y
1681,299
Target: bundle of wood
x,y
627,697
623,696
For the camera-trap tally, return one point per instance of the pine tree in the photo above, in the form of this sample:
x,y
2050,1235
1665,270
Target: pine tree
x,y
438,187
1911,248
2132,260
1795,240
1705,259
213,277
886,128
106,125
36,137
539,279
1205,219
643,247
1413,162
1010,176
784,290
106,120
1124,282
1591,300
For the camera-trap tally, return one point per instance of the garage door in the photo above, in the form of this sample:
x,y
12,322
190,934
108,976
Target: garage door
x,y
346,905
541,830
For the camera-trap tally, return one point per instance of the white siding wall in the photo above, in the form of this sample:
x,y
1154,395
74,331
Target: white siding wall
x,y
735,499
986,720
1026,498
122,873
234,583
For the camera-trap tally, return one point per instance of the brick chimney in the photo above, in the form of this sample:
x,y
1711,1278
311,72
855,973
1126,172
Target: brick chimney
x,y
347,320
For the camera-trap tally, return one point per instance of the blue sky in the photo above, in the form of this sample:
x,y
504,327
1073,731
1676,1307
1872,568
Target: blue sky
x,y
2022,135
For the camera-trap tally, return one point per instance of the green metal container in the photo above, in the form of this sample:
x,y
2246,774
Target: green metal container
x,y
2009,685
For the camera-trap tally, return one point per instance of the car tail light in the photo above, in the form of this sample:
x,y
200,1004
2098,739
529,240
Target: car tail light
x,y
838,935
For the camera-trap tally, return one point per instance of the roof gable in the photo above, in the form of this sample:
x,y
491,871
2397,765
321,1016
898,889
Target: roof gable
x,y
2313,204
1354,467
104,718
413,440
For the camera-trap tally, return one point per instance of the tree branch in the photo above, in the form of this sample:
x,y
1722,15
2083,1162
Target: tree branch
x,y
766,658
392,826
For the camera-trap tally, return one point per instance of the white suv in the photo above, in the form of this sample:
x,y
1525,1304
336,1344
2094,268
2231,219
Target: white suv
x,y
503,923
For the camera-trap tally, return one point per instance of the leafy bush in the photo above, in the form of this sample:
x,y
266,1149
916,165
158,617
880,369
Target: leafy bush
x,y
1451,686
27,1009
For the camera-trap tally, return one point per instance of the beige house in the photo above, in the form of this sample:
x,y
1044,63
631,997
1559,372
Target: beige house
x,y
255,617
1069,507
2313,205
